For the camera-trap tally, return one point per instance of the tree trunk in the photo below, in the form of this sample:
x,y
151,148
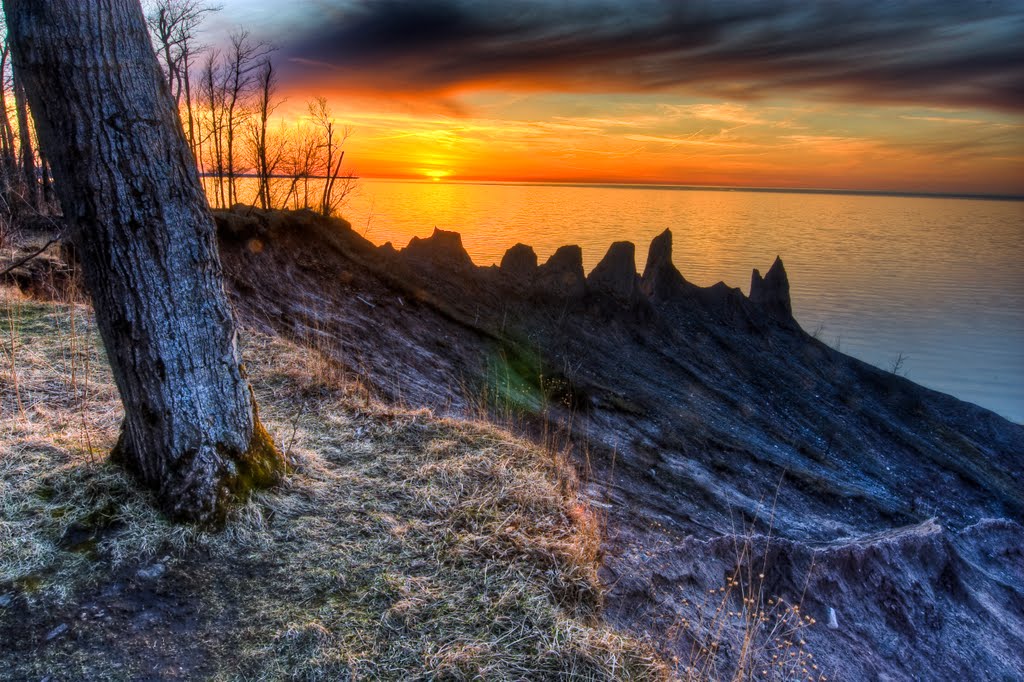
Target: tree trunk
x,y
28,156
49,197
130,192
186,75
10,165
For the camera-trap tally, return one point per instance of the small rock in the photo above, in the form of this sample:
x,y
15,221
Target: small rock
x,y
5,600
57,632
833,622
151,572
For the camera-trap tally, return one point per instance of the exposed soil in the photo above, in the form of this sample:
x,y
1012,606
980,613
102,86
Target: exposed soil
x,y
695,414
876,520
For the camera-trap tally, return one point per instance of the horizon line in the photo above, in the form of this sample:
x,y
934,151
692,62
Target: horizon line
x,y
668,185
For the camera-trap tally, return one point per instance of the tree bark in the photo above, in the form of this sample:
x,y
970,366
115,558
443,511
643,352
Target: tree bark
x,y
28,156
49,198
130,192
10,165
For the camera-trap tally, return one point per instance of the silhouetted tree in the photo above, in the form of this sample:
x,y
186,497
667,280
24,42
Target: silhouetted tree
x,y
336,185
212,98
174,25
29,181
141,224
300,155
243,59
266,152
8,162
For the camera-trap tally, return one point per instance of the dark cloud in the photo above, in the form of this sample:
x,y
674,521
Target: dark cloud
x,y
953,53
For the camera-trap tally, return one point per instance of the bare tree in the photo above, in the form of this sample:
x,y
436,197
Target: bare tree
x,y
141,225
300,156
8,164
332,139
229,129
243,60
30,183
266,152
174,25
212,96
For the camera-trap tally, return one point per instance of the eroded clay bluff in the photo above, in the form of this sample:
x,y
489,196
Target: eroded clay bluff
x,y
707,425
695,414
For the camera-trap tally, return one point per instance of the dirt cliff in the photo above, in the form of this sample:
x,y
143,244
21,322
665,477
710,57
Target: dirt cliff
x,y
731,451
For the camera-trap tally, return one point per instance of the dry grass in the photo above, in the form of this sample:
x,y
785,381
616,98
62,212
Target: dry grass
x,y
402,547
63,507
739,632
763,636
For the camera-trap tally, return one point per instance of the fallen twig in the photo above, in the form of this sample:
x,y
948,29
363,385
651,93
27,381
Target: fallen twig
x,y
29,257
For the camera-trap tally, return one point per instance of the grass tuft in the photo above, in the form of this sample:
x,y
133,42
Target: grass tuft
x,y
401,545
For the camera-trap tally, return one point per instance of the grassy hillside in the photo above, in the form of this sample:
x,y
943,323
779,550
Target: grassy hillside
x,y
402,546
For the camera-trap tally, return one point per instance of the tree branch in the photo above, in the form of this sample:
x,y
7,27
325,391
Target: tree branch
x,y
29,257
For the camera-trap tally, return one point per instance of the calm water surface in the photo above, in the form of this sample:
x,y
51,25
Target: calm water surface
x,y
939,280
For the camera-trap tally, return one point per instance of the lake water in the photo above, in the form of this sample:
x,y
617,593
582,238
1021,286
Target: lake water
x,y
938,280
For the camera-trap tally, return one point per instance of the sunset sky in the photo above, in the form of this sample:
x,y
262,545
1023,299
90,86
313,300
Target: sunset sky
x,y
907,96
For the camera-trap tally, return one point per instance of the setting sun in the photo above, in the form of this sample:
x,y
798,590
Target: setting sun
x,y
435,174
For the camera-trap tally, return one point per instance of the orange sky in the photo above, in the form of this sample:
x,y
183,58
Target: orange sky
x,y
928,104
543,137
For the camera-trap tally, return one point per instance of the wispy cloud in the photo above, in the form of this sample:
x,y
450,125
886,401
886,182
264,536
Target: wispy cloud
x,y
924,52
695,139
945,119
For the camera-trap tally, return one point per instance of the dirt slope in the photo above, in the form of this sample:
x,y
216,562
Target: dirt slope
x,y
402,547
699,417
